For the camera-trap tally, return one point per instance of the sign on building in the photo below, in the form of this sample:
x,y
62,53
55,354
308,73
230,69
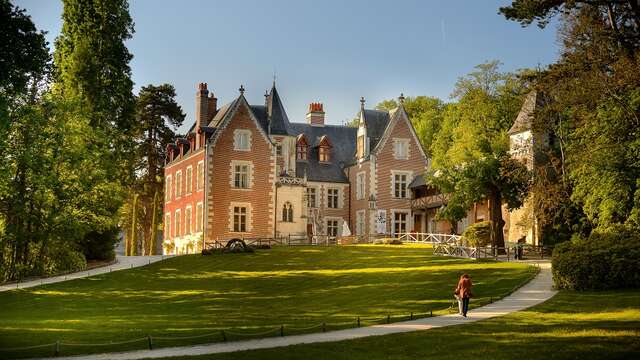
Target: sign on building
x,y
381,222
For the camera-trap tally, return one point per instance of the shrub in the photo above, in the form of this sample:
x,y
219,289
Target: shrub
x,y
478,234
99,245
607,259
63,260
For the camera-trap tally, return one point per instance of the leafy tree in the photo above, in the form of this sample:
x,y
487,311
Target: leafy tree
x,y
471,159
158,117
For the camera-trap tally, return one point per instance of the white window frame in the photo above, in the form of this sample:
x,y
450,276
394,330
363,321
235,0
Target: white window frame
x,y
188,179
401,149
187,224
241,213
168,188
177,226
199,216
167,226
393,221
337,227
360,185
315,198
407,175
178,184
200,175
337,198
238,143
249,174
360,222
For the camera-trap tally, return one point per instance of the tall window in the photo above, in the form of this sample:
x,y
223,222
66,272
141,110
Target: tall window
x,y
200,176
287,212
239,219
360,222
189,180
400,186
177,227
301,153
167,226
241,176
187,220
399,223
279,149
401,149
332,198
179,184
242,140
167,191
199,217
360,186
311,198
323,154
332,228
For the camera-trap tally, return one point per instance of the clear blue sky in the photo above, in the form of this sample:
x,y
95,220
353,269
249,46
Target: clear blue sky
x,y
328,51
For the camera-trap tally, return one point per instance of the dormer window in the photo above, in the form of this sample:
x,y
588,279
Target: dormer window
x,y
324,150
302,147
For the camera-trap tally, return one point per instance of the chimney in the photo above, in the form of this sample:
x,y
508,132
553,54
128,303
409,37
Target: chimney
x,y
202,108
212,108
315,116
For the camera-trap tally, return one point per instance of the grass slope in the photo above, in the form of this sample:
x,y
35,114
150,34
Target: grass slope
x,y
247,293
597,325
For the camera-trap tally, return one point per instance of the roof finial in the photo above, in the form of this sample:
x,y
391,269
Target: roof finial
x,y
401,98
274,78
241,90
362,102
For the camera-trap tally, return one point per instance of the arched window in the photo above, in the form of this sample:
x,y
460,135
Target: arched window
x,y
287,212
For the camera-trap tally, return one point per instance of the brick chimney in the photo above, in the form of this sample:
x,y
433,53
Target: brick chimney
x,y
202,109
315,116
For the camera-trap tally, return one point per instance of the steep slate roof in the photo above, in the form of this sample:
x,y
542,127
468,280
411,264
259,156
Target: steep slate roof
x,y
523,122
278,120
417,181
376,122
343,140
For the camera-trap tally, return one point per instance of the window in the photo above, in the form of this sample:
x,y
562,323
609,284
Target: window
x,y
332,228
401,149
242,140
400,186
200,176
301,153
360,146
279,149
311,198
167,192
360,222
360,186
189,180
187,220
167,226
178,184
323,154
199,217
399,223
332,198
287,212
177,225
239,219
241,176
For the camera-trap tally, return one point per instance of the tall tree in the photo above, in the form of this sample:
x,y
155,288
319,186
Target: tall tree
x,y
158,117
471,158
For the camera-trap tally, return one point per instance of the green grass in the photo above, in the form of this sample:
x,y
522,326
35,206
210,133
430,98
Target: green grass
x,y
242,293
572,325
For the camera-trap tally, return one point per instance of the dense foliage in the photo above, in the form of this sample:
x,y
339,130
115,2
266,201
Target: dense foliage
x,y
478,234
607,259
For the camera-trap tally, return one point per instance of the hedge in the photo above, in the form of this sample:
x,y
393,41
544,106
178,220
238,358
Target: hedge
x,y
607,259
478,234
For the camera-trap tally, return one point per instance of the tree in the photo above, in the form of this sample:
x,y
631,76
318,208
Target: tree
x,y
158,116
471,159
426,115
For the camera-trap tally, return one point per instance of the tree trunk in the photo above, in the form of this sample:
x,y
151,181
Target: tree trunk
x,y
497,223
132,240
154,225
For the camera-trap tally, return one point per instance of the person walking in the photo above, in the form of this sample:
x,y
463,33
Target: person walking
x,y
463,294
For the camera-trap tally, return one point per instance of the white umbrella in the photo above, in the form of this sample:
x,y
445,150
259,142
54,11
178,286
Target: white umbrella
x,y
345,229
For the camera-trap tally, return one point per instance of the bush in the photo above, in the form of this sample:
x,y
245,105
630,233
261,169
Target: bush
x,y
478,234
99,245
62,260
607,259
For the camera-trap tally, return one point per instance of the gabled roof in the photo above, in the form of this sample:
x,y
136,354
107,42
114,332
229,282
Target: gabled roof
x,y
532,102
343,140
225,114
277,116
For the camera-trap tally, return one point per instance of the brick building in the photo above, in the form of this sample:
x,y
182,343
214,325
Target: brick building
x,y
246,171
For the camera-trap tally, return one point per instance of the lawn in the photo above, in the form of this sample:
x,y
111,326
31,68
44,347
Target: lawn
x,y
242,294
571,325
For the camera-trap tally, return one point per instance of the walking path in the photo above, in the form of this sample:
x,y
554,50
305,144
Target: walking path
x,y
535,292
122,262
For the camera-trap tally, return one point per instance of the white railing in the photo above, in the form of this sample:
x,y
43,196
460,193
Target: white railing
x,y
429,238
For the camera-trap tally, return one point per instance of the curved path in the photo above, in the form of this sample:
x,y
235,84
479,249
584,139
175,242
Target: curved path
x,y
122,262
535,292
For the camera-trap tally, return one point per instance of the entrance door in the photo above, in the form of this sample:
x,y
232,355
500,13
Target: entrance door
x,y
417,223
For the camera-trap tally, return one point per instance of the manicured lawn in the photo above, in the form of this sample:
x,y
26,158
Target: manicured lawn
x,y
242,293
597,325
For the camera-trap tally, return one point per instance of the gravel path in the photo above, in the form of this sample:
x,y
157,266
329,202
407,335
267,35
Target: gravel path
x,y
122,262
535,292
